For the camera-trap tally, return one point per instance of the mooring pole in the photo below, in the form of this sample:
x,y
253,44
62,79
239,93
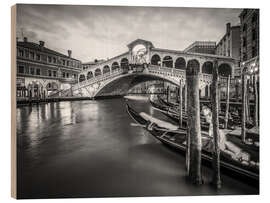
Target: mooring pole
x,y
227,102
194,125
215,120
180,104
256,123
247,99
244,89
168,93
186,97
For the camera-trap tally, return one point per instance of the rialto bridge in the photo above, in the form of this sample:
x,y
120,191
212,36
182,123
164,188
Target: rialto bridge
x,y
143,62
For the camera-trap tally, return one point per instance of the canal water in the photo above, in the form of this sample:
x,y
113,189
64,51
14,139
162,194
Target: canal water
x,y
91,149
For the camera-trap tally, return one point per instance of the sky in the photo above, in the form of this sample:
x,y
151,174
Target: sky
x,y
102,32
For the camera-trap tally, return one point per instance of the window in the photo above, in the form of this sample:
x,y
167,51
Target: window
x,y
32,55
254,34
21,69
254,18
38,71
244,56
54,60
67,63
21,52
38,57
244,41
54,74
67,75
49,73
63,74
254,51
32,71
64,62
44,58
26,53
49,59
244,27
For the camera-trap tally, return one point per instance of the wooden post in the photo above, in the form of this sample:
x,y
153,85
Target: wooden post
x,y
186,97
255,102
180,104
244,89
247,100
168,93
227,102
215,120
194,125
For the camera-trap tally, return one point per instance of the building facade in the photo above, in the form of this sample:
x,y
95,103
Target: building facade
x,y
249,32
42,71
229,45
203,47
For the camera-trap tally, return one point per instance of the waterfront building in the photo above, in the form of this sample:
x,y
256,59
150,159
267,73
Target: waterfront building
x,y
203,47
249,32
42,71
229,45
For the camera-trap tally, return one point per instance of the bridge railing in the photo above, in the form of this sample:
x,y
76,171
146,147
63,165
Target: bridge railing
x,y
99,78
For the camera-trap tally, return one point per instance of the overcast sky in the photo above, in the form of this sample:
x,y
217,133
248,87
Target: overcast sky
x,y
99,32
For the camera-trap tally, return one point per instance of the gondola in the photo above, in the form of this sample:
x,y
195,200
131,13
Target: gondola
x,y
234,119
172,113
175,139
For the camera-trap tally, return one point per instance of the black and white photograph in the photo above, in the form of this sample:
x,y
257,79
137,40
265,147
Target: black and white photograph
x,y
135,101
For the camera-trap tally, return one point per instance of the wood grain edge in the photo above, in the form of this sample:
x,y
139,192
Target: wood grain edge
x,y
13,105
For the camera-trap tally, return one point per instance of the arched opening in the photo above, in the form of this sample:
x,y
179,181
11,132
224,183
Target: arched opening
x,y
124,63
115,66
106,69
207,67
97,72
89,75
180,63
193,63
224,70
155,60
82,78
167,62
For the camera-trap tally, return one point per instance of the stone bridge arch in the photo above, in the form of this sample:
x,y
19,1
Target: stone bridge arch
x,y
121,81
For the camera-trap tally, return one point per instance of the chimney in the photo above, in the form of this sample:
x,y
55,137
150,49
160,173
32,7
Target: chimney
x,y
228,27
25,39
41,43
69,53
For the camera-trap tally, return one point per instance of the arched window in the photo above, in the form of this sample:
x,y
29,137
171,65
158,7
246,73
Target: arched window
x,y
89,75
193,63
115,66
180,63
124,63
155,60
167,62
224,70
82,78
106,69
97,72
207,67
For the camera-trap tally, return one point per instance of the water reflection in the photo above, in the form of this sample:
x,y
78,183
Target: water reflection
x,y
90,148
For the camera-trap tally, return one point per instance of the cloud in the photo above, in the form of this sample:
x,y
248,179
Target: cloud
x,y
104,31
